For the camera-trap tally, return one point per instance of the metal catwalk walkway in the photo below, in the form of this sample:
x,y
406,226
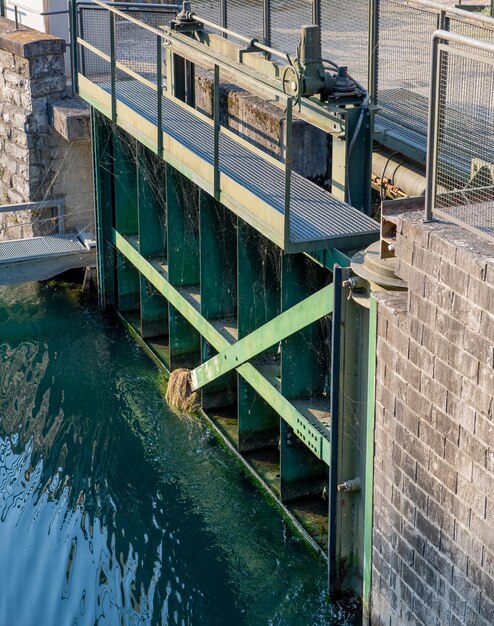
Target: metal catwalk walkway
x,y
315,214
41,258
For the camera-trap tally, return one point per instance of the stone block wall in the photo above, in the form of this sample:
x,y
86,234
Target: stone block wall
x,y
34,158
433,538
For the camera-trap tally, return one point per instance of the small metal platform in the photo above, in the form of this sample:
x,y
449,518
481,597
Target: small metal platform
x,y
318,220
41,258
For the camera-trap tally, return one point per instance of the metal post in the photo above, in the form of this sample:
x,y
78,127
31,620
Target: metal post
x,y
369,459
316,12
113,68
224,14
266,24
374,7
2,8
74,62
430,190
159,87
217,123
16,14
288,167
335,414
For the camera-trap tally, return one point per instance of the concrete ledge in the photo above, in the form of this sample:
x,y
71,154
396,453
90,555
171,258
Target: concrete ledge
x,y
71,119
26,42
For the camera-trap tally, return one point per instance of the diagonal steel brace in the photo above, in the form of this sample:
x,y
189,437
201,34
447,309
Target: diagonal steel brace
x,y
294,319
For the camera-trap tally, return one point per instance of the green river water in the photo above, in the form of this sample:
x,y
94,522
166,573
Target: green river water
x,y
113,511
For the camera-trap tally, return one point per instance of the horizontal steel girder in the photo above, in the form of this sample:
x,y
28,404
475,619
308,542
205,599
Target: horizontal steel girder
x,y
313,434
297,317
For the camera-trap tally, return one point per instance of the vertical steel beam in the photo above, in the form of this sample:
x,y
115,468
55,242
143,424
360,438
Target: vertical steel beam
x,y
218,240
183,264
352,160
303,376
369,461
103,173
258,302
152,238
126,216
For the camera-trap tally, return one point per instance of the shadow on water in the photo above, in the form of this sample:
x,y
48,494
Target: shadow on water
x,y
113,511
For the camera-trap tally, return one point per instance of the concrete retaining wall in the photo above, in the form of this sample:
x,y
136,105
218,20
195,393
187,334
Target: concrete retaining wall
x,y
36,162
433,540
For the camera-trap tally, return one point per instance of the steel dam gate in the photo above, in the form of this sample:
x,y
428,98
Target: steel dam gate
x,y
224,260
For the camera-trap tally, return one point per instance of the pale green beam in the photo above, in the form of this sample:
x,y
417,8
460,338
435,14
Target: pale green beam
x,y
314,435
294,319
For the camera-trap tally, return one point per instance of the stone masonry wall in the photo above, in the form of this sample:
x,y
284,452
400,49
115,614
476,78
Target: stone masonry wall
x,y
433,540
34,159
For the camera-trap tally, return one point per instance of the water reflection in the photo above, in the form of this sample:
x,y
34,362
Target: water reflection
x,y
112,511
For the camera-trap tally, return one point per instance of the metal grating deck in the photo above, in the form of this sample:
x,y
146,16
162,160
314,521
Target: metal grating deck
x,y
315,215
39,247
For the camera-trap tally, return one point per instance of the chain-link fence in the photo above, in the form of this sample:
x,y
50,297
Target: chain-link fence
x,y
461,160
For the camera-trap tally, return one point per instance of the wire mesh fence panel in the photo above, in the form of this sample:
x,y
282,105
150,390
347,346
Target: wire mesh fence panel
x,y
208,9
246,17
345,33
94,28
136,47
404,61
465,139
469,28
287,17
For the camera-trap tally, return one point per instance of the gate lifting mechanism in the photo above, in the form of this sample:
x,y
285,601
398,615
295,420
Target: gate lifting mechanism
x,y
306,75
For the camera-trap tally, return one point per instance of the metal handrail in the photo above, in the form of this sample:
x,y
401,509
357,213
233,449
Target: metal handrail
x,y
438,38
164,36
468,15
58,204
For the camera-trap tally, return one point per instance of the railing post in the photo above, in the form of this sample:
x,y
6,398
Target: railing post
x,y
288,168
159,87
374,6
224,14
74,57
266,22
434,103
217,124
113,68
316,12
2,8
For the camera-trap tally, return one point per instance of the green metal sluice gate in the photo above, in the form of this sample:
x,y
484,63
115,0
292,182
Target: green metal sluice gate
x,y
225,262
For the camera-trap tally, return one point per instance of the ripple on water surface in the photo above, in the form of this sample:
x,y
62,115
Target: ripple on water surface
x,y
113,511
